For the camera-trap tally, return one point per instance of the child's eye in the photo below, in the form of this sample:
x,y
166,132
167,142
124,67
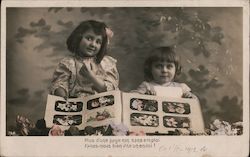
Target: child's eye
x,y
88,38
99,42
169,66
158,66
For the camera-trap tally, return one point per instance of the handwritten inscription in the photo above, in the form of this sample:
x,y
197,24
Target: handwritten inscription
x,y
186,149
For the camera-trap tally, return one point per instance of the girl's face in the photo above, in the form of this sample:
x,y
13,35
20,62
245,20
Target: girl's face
x,y
163,72
90,44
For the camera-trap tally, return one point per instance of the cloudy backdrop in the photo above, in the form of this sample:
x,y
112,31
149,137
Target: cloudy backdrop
x,y
209,41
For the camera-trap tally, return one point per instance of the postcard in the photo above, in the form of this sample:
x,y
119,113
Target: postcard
x,y
124,78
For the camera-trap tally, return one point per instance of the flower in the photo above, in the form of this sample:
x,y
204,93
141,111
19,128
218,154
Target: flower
x,y
119,129
61,106
74,107
94,104
56,131
219,127
171,108
71,122
184,125
24,125
11,133
103,100
180,110
162,18
180,105
61,121
171,122
217,123
137,104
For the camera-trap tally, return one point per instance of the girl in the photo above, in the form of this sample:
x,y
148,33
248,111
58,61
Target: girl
x,y
160,70
88,70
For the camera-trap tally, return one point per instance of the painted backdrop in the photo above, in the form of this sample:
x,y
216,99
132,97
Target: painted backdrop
x,y
209,41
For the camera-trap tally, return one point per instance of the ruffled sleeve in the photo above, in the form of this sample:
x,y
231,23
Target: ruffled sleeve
x,y
143,88
185,88
63,75
111,78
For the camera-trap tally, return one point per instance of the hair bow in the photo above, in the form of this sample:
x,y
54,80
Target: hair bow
x,y
109,33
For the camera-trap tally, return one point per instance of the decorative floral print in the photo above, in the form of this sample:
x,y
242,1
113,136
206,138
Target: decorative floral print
x,y
100,102
67,120
138,119
175,107
65,106
143,105
99,116
176,122
171,122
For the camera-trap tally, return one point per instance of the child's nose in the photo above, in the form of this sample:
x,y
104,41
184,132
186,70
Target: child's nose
x,y
164,69
93,43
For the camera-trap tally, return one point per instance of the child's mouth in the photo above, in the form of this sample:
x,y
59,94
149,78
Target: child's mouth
x,y
91,50
163,76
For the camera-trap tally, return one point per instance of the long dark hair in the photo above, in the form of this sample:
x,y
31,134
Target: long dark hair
x,y
162,54
75,37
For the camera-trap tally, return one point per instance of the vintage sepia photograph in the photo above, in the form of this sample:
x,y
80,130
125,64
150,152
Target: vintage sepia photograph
x,y
110,70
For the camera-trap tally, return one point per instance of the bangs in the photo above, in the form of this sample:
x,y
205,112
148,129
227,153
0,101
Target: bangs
x,y
165,57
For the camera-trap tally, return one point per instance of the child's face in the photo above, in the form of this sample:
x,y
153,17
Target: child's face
x,y
90,44
163,72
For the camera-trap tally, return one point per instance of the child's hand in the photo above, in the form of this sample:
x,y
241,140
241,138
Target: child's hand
x,y
188,95
87,71
150,92
61,92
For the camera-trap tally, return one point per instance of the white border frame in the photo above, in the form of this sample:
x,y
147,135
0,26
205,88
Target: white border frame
x,y
216,145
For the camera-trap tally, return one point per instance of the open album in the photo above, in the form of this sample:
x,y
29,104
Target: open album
x,y
138,112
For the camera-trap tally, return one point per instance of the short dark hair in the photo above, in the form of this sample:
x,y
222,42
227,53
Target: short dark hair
x,y
75,37
161,54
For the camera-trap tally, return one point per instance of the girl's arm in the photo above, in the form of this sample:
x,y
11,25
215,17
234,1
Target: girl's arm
x,y
187,92
111,79
60,83
144,88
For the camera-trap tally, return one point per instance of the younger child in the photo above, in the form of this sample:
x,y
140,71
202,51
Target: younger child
x,y
89,70
161,69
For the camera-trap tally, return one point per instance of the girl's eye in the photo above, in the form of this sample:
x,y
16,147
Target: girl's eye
x,y
158,66
99,42
169,66
88,38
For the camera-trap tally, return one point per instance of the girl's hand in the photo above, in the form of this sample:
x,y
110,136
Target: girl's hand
x,y
87,71
188,95
150,92
61,92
